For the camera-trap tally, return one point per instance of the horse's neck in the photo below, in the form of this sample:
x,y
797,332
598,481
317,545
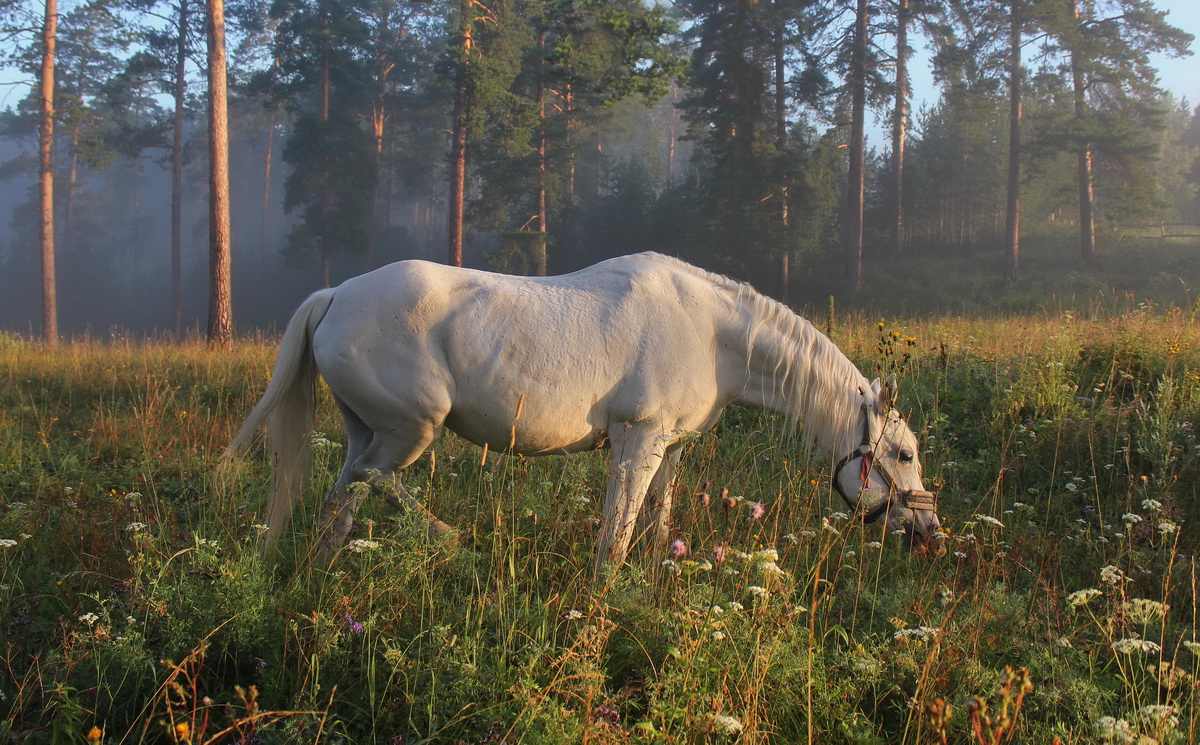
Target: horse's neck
x,y
793,369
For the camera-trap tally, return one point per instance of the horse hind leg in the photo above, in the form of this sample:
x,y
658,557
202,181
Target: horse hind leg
x,y
377,466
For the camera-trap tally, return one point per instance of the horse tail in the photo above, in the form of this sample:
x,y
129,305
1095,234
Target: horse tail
x,y
287,408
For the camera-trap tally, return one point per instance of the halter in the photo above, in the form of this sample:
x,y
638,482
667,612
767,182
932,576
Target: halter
x,y
913,499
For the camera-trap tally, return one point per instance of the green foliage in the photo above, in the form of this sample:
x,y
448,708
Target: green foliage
x,y
135,600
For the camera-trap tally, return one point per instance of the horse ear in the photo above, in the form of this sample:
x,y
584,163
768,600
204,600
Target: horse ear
x,y
890,392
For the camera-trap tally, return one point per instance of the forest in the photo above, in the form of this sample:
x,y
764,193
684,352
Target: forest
x,y
538,136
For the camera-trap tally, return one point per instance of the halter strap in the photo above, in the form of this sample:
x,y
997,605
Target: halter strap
x,y
913,499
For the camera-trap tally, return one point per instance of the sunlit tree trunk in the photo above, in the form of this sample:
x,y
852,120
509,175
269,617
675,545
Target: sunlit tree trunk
x,y
857,180
220,309
458,141
1012,222
46,174
177,174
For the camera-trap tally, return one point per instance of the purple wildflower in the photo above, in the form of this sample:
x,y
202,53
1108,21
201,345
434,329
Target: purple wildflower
x,y
719,554
757,510
679,549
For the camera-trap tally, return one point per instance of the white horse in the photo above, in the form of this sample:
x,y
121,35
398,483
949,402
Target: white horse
x,y
633,353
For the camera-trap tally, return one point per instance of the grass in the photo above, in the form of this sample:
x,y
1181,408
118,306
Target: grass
x,y
135,607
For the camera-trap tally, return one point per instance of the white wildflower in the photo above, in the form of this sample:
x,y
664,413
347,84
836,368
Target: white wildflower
x,y
828,526
918,634
7,543
959,555
1064,642
807,533
1153,505
946,597
1167,527
735,606
671,566
705,565
757,591
1132,644
1159,714
715,610
135,527
770,568
1142,610
1111,575
849,555
319,440
207,543
1131,518
718,635
791,538
766,554
988,519
89,618
1111,729
839,516
1193,647
726,725
359,545
573,615
1083,597
874,544
259,528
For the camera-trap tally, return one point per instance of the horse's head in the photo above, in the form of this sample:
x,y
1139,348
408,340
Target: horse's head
x,y
881,478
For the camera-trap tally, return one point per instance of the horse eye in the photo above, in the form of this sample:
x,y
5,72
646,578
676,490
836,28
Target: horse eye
x,y
906,456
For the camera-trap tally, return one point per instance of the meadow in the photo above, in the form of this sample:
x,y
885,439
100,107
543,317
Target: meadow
x,y
135,606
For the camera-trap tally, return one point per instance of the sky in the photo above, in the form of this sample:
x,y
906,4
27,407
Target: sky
x,y
1182,75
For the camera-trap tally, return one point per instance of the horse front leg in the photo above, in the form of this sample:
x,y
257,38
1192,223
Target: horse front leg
x,y
655,522
637,455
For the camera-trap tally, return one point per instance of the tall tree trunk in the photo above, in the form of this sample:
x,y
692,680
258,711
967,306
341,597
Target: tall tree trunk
x,y
1012,221
177,174
46,174
1087,209
379,117
264,229
326,197
220,307
785,264
458,141
539,246
900,125
857,186
68,232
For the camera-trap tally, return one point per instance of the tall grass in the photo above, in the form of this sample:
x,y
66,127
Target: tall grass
x,y
135,607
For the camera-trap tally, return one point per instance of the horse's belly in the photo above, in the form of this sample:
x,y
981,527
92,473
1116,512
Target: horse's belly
x,y
530,433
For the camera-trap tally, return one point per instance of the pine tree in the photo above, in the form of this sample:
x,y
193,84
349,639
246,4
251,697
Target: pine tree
x,y
220,309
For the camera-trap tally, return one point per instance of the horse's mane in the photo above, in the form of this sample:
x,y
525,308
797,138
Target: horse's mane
x,y
819,385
